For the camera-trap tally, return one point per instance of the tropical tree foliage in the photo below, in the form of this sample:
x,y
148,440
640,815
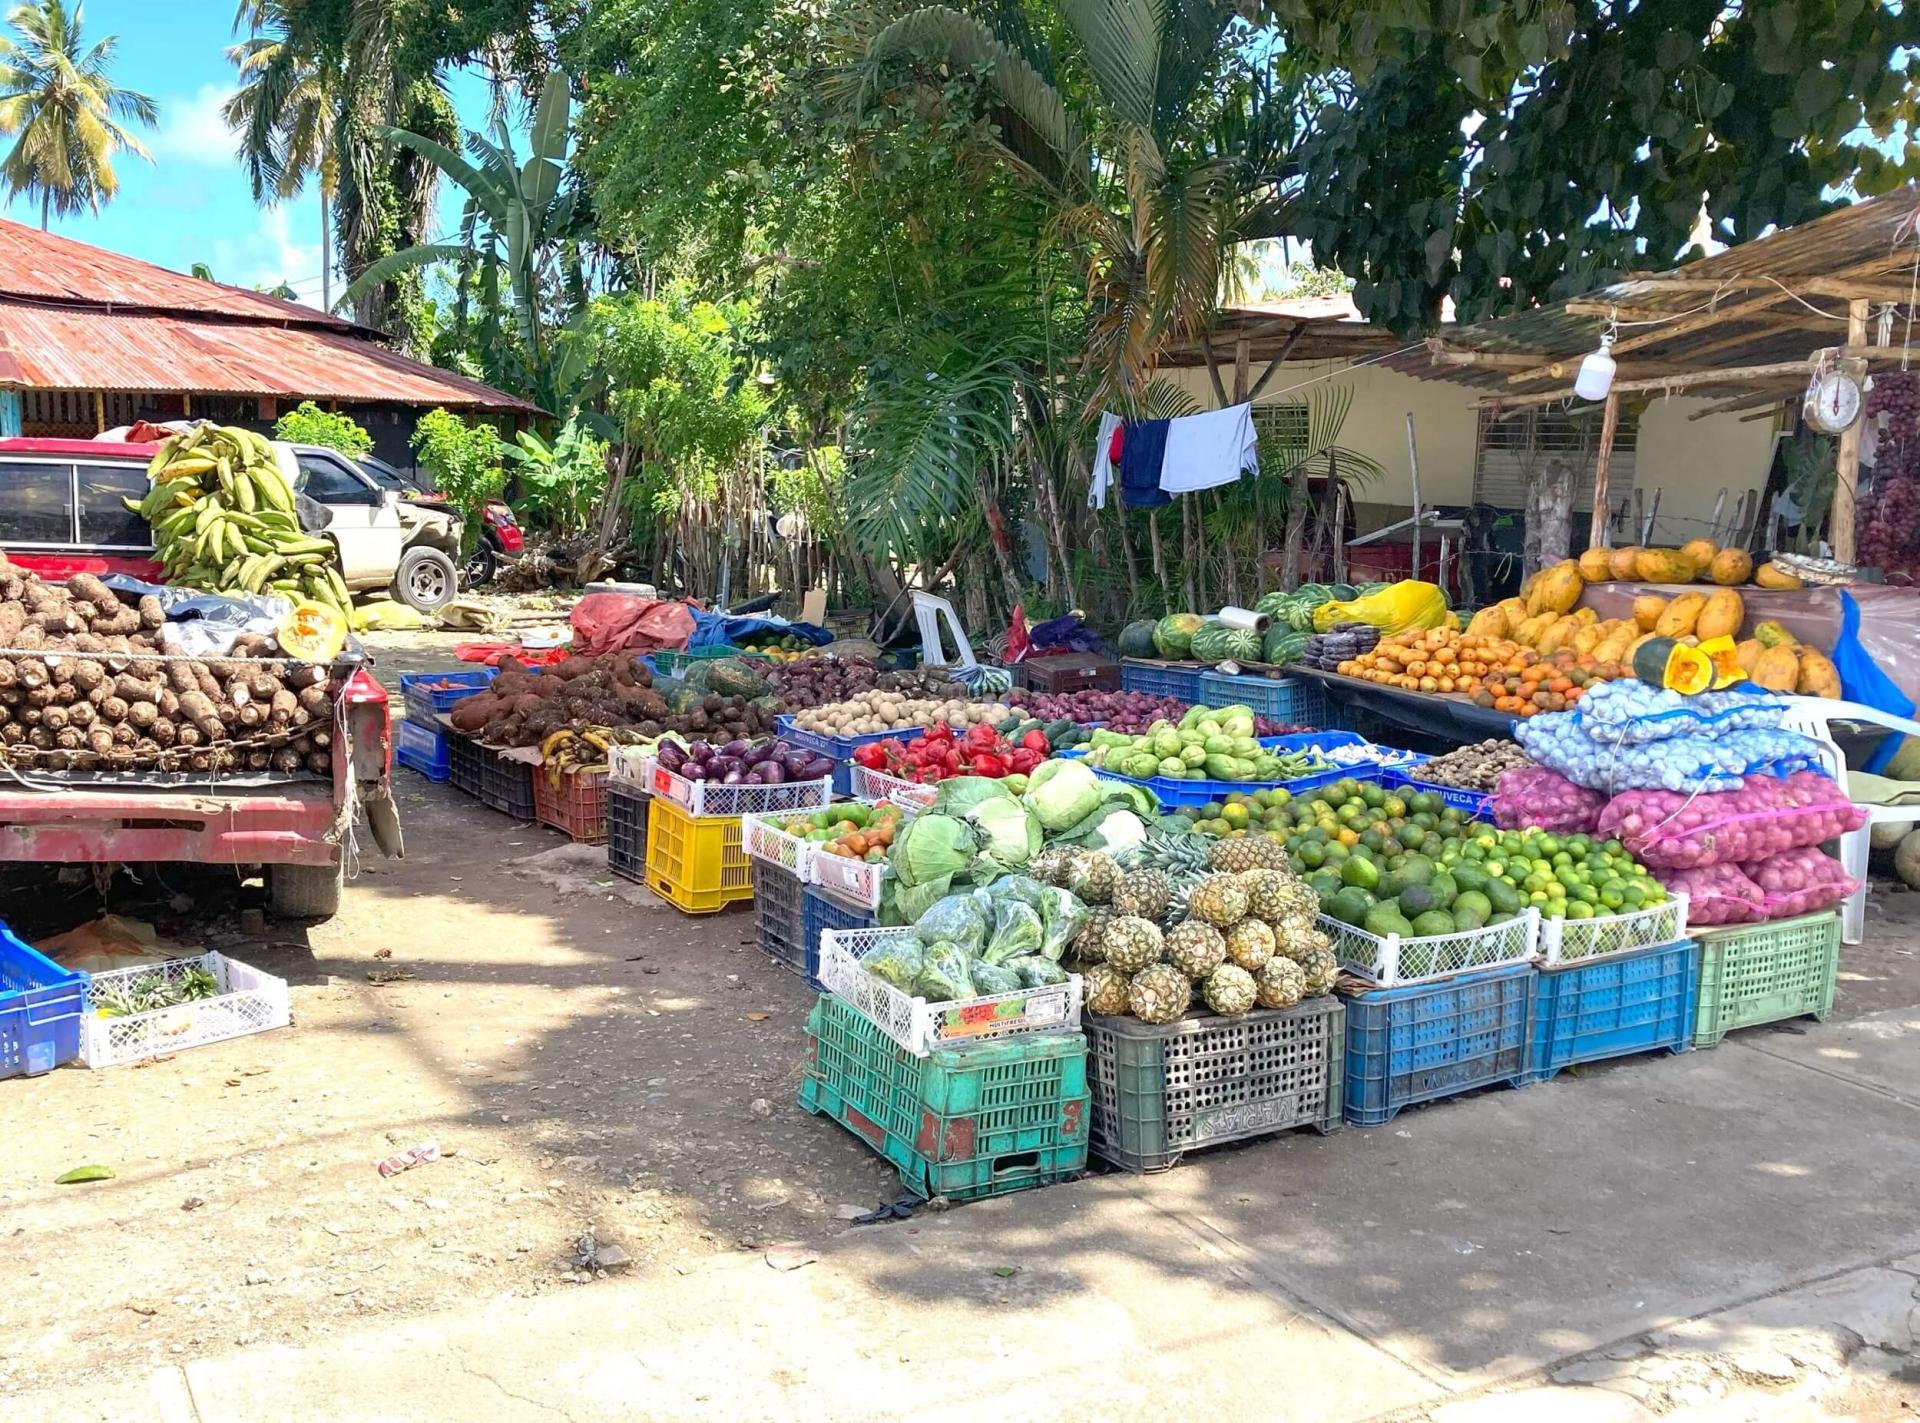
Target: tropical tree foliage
x,y
67,118
308,424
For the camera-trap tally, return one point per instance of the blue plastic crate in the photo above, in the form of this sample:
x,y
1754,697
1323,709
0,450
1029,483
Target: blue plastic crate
x,y
840,748
1290,699
827,910
425,703
41,1005
1176,793
423,749
1429,1040
1478,804
1639,1001
1179,680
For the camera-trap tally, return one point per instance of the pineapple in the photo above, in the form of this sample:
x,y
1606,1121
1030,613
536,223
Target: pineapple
x,y
1144,894
1050,866
1295,939
1132,944
1319,969
1196,948
1088,943
1219,900
1176,852
1255,850
1230,989
1094,877
1250,943
1279,983
1159,993
1106,989
1268,895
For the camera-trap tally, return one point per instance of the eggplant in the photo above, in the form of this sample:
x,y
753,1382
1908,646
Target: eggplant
x,y
736,749
669,756
727,766
795,764
733,777
770,773
700,752
819,768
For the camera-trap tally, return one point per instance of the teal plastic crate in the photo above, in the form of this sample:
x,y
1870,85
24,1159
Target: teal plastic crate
x,y
1764,973
1643,1000
982,1121
1163,1089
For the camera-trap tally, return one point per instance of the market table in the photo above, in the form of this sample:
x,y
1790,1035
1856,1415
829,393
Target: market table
x,y
1444,714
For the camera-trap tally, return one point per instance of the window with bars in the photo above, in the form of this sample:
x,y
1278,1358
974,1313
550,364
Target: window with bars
x,y
1511,452
1280,426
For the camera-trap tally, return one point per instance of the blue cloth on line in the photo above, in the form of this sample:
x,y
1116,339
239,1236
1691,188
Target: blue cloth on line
x,y
1142,455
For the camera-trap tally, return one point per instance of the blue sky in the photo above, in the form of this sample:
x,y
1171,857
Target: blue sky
x,y
192,204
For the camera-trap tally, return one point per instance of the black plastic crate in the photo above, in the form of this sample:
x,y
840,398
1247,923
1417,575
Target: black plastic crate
x,y
466,762
779,913
627,831
506,786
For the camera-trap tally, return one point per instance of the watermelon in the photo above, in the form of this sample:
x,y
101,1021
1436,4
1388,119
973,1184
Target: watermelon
x,y
1317,593
1282,644
1173,634
1344,593
1216,642
1271,604
1300,615
1136,639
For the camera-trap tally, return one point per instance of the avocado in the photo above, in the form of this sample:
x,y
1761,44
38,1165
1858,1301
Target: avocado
x,y
1384,920
1443,889
1418,869
1434,921
1503,896
1469,876
1472,909
1416,899
1325,883
1350,905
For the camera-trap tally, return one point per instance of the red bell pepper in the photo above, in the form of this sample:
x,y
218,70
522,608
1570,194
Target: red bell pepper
x,y
873,755
942,732
990,765
1023,759
1036,740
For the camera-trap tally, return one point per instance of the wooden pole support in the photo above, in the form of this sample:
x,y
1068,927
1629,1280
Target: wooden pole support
x,y
1599,532
1846,483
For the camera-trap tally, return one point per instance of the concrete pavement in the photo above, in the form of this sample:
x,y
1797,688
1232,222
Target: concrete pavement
x,y
1724,1234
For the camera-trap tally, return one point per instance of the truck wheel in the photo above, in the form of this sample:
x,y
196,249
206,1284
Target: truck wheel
x,y
305,891
426,579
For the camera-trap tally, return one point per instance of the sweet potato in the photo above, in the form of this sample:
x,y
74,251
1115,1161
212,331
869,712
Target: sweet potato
x,y
89,589
151,614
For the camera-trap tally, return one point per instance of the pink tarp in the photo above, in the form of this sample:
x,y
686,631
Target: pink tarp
x,y
608,622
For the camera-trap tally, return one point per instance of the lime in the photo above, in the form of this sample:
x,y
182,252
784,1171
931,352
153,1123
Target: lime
x,y
1360,872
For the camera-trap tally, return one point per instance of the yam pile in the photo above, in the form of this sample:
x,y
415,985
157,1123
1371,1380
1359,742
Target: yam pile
x,y
86,686
524,708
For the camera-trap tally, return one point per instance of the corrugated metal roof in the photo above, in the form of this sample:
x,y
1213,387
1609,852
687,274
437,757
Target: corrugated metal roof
x,y
77,348
40,265
1311,328
1769,302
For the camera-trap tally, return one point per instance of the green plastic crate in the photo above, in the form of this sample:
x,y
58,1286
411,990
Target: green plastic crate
x,y
965,1124
1762,973
1163,1089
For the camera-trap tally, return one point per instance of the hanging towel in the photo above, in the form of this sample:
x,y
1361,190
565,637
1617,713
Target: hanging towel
x,y
1141,461
1103,444
1211,449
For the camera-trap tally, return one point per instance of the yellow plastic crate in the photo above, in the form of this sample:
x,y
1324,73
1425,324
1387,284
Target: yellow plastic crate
x,y
696,865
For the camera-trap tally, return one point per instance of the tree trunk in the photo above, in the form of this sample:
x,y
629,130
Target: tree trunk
x,y
1298,505
1549,515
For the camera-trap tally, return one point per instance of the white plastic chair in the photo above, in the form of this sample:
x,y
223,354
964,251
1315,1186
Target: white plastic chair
x,y
1814,716
927,612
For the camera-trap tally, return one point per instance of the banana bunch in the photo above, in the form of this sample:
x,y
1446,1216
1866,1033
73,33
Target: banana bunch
x,y
584,749
223,520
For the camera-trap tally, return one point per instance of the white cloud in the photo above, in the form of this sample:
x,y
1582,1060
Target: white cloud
x,y
271,253
192,131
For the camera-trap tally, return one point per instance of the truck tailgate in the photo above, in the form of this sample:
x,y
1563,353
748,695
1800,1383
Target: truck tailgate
x,y
274,825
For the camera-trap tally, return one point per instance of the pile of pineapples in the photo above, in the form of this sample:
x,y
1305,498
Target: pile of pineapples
x,y
1176,930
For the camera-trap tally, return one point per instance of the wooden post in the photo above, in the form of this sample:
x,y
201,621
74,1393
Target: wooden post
x,y
1413,468
1846,482
99,412
1242,369
1599,534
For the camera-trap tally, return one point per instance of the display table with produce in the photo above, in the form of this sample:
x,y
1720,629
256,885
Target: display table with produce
x,y
1448,716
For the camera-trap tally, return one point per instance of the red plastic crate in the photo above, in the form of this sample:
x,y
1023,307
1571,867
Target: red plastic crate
x,y
577,807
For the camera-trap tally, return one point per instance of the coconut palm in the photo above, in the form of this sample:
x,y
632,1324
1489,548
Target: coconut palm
x,y
68,119
284,114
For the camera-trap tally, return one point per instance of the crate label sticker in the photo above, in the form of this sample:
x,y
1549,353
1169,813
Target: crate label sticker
x,y
972,1018
662,781
1243,1117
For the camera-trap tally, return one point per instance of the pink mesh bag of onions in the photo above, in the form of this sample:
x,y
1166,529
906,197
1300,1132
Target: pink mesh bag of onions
x,y
1765,817
1801,881
1718,894
1534,795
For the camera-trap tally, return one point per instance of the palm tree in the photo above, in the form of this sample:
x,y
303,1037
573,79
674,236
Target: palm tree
x,y
284,113
61,106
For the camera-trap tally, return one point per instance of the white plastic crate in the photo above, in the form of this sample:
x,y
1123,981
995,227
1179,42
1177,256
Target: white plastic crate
x,y
710,798
854,880
922,1027
628,766
1571,940
1396,959
763,839
249,1001
878,785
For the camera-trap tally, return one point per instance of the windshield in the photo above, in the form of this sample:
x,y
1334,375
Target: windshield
x,y
386,476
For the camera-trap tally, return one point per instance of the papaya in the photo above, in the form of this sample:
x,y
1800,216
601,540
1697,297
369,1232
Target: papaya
x,y
1613,648
1489,622
1585,639
1596,565
1515,610
1558,588
1731,567
1585,617
1528,633
1777,669
1557,636
1770,575
1681,615
1748,653
1725,610
1818,676
1626,563
1663,565
1771,634
1647,609
1664,662
1700,553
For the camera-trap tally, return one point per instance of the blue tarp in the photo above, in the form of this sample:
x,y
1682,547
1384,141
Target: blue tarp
x,y
713,629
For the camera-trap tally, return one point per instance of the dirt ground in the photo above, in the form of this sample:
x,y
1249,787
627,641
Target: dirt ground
x,y
586,1057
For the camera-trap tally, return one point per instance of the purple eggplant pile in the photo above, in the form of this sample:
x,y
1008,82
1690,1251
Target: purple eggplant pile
x,y
763,762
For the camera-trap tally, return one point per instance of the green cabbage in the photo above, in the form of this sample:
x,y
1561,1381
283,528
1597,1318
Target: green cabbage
x,y
1008,830
931,846
960,794
1060,792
